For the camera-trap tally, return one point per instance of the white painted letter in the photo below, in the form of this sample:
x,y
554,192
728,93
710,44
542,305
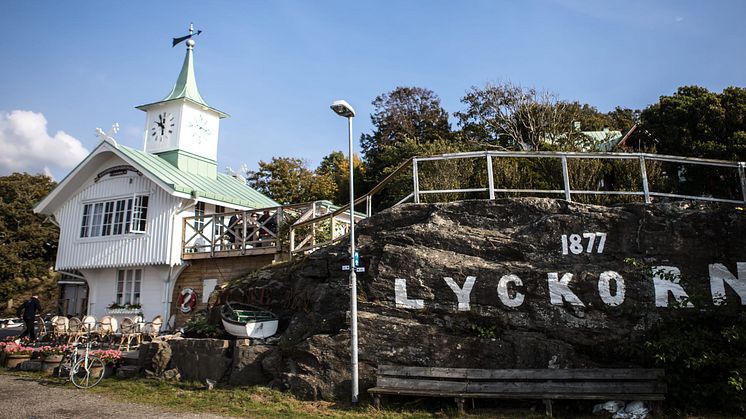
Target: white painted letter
x,y
666,279
559,290
462,294
719,275
400,290
504,293
604,289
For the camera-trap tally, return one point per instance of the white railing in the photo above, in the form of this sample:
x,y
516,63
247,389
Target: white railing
x,y
667,184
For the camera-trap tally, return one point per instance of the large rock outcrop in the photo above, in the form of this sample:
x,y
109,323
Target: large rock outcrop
x,y
494,284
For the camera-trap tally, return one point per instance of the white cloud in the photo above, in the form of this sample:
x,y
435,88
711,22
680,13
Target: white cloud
x,y
25,145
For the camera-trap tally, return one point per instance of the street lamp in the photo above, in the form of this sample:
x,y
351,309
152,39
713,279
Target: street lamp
x,y
342,108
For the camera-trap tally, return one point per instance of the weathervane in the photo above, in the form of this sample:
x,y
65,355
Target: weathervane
x,y
190,44
108,135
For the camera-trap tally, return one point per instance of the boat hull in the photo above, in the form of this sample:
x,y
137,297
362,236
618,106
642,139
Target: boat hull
x,y
256,330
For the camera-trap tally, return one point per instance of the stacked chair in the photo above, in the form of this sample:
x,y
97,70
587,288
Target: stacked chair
x,y
129,332
75,330
59,328
106,328
151,329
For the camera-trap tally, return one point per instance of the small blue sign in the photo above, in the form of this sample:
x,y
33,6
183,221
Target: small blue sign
x,y
357,259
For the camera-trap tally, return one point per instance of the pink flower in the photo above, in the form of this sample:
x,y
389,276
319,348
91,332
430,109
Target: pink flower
x,y
109,356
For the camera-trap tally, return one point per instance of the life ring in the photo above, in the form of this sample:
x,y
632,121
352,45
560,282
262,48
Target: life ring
x,y
187,300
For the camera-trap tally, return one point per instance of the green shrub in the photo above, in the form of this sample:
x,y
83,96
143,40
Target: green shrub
x,y
199,327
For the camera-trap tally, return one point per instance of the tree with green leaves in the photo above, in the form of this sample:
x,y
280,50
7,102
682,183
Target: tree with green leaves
x,y
288,180
698,123
28,242
405,113
513,117
510,116
337,166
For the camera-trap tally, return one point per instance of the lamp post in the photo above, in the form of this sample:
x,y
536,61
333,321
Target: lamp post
x,y
342,108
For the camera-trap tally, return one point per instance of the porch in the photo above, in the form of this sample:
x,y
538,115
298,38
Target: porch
x,y
262,231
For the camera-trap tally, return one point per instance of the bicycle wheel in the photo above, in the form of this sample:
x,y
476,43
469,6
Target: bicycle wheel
x,y
87,372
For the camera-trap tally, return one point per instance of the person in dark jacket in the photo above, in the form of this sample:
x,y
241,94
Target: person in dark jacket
x,y
28,311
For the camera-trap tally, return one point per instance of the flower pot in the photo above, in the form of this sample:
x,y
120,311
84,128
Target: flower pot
x,y
50,362
107,371
14,360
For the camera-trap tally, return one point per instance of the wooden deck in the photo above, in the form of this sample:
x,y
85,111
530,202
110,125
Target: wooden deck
x,y
230,253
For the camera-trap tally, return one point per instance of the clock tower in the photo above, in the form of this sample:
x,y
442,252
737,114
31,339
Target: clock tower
x,y
182,128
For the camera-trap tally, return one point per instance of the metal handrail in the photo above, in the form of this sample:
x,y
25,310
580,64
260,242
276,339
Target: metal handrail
x,y
566,190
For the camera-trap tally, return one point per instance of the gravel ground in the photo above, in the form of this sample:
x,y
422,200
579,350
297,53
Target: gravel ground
x,y
28,398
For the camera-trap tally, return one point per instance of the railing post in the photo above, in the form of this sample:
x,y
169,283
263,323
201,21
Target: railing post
x,y
278,226
212,236
292,242
490,177
243,235
416,182
742,175
644,174
566,178
368,205
332,223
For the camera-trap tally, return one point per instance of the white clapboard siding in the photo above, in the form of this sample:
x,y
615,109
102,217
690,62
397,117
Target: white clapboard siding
x,y
150,248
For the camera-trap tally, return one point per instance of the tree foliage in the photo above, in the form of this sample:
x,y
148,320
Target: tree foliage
x,y
510,116
28,243
288,180
513,117
405,113
698,123
337,166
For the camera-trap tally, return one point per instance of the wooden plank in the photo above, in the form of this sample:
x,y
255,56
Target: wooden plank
x,y
569,388
565,387
434,385
523,374
517,396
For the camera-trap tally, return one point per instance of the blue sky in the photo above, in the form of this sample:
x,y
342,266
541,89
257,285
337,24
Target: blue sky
x,y
276,66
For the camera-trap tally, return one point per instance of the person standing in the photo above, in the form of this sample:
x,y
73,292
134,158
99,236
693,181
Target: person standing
x,y
235,230
28,311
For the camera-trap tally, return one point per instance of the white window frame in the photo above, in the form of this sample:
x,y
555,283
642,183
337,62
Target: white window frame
x,y
115,217
128,286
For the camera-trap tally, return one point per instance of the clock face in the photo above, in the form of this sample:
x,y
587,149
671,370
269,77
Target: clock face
x,y
200,129
163,126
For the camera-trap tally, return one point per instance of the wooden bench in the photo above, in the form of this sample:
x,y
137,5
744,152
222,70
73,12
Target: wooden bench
x,y
539,384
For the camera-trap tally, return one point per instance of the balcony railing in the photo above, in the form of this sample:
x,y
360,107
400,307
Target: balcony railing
x,y
257,231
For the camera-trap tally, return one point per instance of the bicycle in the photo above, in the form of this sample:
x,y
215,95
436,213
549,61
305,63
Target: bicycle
x,y
85,371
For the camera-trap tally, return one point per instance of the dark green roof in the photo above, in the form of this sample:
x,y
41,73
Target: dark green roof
x,y
223,188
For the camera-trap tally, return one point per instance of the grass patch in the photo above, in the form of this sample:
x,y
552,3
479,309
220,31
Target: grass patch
x,y
262,402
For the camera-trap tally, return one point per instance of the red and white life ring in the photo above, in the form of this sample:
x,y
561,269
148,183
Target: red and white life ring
x,y
187,300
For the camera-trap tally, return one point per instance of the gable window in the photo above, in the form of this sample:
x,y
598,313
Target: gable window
x,y
115,217
128,286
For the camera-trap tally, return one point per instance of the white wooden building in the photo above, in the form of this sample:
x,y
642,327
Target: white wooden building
x,y
121,210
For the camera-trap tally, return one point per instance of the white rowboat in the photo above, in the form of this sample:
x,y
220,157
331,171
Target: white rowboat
x,y
247,321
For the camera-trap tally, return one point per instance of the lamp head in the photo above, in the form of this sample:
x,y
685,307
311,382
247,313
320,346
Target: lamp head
x,y
342,108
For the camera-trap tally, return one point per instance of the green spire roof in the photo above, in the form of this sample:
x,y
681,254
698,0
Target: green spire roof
x,y
186,84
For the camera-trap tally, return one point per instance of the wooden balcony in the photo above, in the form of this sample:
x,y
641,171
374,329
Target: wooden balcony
x,y
252,232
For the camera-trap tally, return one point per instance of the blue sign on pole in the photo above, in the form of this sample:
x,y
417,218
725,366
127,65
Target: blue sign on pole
x,y
357,259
